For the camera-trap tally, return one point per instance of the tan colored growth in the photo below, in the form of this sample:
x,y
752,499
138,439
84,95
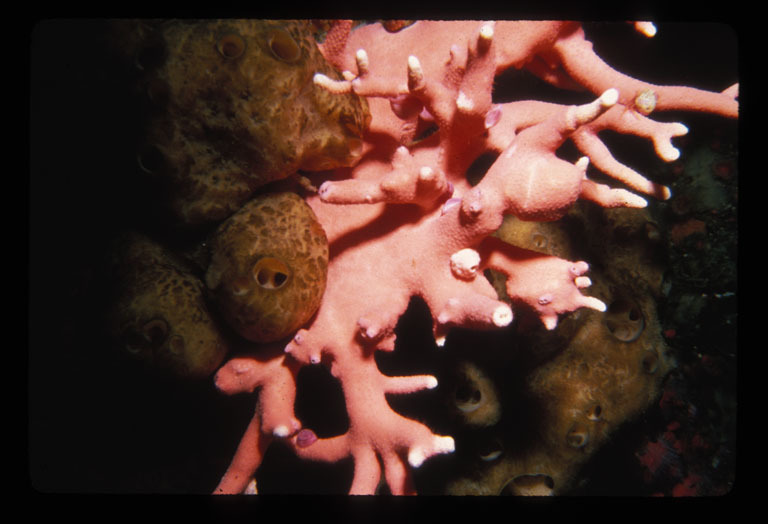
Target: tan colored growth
x,y
268,268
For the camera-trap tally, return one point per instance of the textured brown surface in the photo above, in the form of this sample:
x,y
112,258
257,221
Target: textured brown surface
x,y
603,369
269,266
231,106
160,314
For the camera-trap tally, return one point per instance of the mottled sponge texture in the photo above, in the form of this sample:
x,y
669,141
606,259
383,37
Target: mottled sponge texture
x,y
269,265
231,106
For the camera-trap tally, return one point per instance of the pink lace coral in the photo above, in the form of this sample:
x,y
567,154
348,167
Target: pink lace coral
x,y
405,221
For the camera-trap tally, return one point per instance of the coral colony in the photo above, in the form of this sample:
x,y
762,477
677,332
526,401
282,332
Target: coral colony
x,y
405,222
384,122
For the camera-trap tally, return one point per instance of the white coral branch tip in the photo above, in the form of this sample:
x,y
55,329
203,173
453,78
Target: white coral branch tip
x,y
585,113
416,457
426,174
463,102
362,62
486,32
665,149
582,163
251,488
281,431
334,86
415,73
668,152
646,28
418,454
633,200
465,263
582,282
414,65
594,303
609,97
320,79
502,316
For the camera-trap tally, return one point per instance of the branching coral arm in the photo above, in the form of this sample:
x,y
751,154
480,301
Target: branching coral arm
x,y
407,183
397,475
367,471
591,145
474,310
549,285
409,384
246,461
306,445
272,418
363,83
606,196
631,121
587,68
276,378
534,182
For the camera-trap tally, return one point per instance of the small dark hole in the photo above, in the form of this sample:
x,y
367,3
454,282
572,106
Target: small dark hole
x,y
469,394
151,55
283,46
151,160
279,279
231,46
156,332
650,363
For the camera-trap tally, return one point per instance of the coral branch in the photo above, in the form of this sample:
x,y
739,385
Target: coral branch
x,y
246,461
276,379
407,183
549,285
588,69
535,183
405,222
362,84
410,384
274,418
602,158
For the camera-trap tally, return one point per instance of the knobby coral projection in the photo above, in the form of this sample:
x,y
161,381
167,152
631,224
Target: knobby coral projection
x,y
330,187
